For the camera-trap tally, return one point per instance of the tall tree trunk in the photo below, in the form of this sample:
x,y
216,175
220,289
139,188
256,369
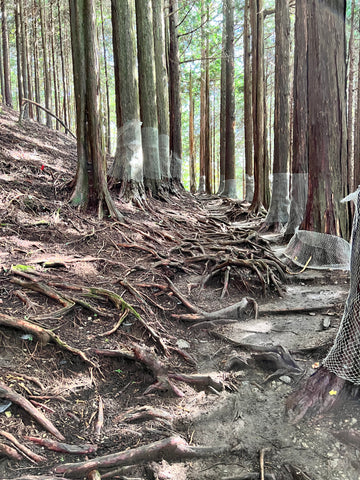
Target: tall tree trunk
x,y
300,160
356,180
350,107
207,141
257,29
54,66
90,187
203,159
35,52
18,56
162,91
327,120
278,213
191,139
2,86
248,121
174,95
108,119
222,146
63,72
47,77
24,58
6,58
147,88
128,163
230,181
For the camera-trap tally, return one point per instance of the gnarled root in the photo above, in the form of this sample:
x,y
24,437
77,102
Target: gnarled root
x,y
321,392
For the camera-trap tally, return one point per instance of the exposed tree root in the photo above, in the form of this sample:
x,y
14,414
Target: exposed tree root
x,y
10,452
33,457
63,447
237,311
38,477
172,448
144,413
9,394
44,335
164,378
322,391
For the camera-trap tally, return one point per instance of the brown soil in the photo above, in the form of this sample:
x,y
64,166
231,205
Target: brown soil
x,y
187,240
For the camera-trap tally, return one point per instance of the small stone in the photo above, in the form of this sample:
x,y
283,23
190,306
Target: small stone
x,y
285,379
326,323
183,344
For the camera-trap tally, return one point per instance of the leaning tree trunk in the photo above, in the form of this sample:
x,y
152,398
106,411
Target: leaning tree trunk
x,y
147,87
127,168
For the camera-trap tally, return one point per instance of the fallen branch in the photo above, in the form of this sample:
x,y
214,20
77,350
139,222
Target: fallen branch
x,y
172,448
27,100
63,447
100,419
9,394
29,453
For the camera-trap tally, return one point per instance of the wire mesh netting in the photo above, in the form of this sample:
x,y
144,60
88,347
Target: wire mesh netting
x,y
318,250
343,358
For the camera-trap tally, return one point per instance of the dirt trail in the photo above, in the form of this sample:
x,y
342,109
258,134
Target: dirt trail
x,y
182,258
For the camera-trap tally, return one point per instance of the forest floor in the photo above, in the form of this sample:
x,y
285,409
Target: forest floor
x,y
113,331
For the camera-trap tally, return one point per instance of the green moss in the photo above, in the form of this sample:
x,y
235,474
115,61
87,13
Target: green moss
x,y
22,268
